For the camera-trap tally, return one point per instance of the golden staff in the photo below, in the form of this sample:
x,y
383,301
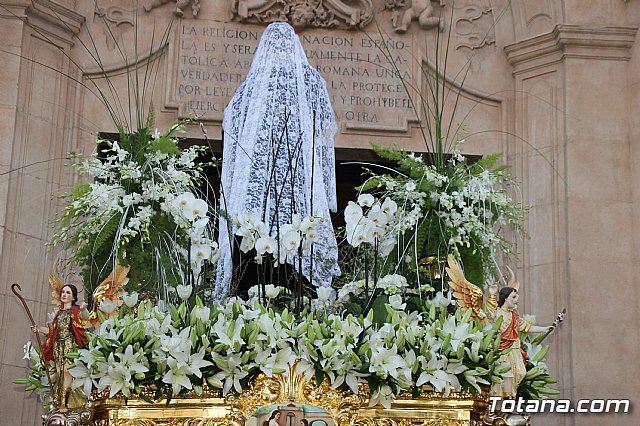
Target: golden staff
x,y
35,327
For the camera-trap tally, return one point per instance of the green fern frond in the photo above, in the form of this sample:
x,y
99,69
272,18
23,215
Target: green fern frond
x,y
487,162
392,154
107,233
164,145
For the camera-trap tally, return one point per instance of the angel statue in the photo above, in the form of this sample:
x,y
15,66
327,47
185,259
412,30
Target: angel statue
x,y
66,332
500,304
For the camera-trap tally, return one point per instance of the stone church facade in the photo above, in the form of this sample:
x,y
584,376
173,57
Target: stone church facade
x,y
553,84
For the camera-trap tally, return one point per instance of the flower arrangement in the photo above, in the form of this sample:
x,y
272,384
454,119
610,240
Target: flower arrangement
x,y
385,326
140,205
459,208
224,345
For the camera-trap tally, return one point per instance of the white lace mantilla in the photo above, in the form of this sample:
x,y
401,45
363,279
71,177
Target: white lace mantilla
x,y
278,159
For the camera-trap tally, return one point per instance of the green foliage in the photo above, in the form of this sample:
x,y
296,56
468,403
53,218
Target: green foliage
x,y
165,145
106,234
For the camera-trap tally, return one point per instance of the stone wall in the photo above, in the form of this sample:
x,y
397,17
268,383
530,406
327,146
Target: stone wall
x,y
553,84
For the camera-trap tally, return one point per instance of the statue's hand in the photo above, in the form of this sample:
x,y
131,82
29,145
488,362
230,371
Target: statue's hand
x,y
83,305
493,289
43,330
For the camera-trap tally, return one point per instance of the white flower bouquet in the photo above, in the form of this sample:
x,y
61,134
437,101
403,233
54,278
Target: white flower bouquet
x,y
140,206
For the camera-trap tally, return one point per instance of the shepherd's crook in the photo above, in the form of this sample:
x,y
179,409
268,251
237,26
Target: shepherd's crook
x,y
35,327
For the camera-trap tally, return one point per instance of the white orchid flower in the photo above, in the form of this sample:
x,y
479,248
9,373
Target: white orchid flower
x,y
198,209
248,243
266,245
389,206
200,252
366,200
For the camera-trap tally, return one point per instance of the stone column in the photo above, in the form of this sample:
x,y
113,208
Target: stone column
x,y
572,115
37,126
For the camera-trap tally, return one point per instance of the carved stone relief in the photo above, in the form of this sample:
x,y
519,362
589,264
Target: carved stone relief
x,y
306,13
110,18
417,10
181,6
474,31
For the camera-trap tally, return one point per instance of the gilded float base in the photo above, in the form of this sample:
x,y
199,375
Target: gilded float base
x,y
296,399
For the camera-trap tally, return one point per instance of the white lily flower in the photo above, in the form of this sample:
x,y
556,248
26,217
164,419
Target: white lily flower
x,y
441,300
130,299
324,293
231,373
27,348
272,291
395,301
81,378
277,363
202,313
108,306
184,291
459,332
386,361
383,395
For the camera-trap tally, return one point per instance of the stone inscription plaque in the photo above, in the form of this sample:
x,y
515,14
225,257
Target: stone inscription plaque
x,y
211,59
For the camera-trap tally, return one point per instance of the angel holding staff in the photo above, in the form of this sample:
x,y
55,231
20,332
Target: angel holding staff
x,y
66,332
500,305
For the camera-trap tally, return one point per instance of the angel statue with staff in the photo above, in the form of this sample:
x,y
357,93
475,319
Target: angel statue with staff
x,y
500,306
66,332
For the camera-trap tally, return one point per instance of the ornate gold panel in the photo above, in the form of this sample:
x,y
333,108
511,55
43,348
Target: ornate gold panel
x,y
346,408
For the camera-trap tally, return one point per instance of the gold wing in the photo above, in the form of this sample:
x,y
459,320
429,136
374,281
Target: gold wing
x,y
467,294
56,290
513,282
112,288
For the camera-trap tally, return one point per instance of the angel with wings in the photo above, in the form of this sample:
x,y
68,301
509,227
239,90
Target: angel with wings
x,y
66,332
500,304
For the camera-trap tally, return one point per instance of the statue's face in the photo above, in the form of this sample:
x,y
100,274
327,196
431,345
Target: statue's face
x,y
512,300
66,296
278,416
